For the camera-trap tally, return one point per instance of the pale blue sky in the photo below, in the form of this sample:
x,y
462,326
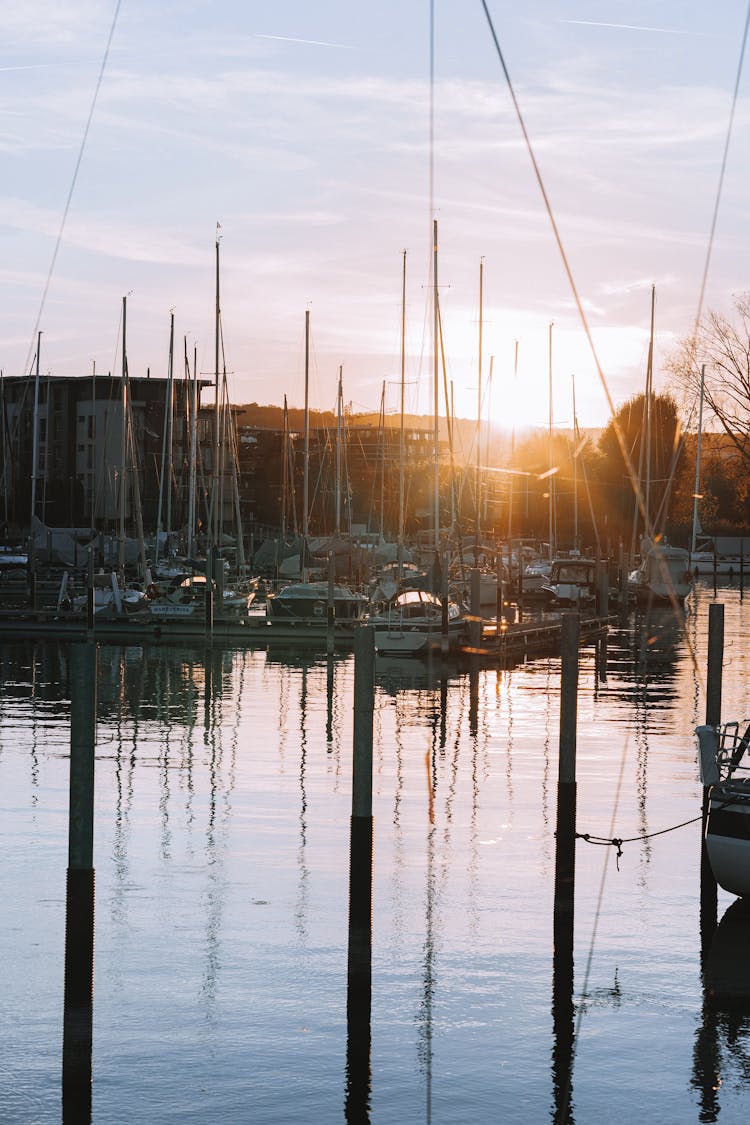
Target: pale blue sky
x,y
303,129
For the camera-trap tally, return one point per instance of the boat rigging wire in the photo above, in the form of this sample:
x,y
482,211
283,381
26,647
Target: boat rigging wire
x,y
76,170
724,159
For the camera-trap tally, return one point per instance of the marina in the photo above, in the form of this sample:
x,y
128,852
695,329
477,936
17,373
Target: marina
x,y
221,847
374,682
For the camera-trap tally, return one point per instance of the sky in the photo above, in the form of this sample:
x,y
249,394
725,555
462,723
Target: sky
x,y
304,131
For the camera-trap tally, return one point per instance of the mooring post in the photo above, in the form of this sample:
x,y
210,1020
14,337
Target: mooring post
x,y
209,592
742,566
218,577
566,777
475,610
364,704
602,588
90,596
709,898
359,967
444,638
520,582
330,604
563,921
79,908
31,574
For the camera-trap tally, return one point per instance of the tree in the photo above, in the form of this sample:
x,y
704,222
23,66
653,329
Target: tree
x,y
657,459
723,346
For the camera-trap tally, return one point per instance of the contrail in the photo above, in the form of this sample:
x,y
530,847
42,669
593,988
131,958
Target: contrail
x,y
312,42
31,66
638,27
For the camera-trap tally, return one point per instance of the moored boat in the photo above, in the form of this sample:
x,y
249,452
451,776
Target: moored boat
x,y
663,575
572,582
725,767
412,624
307,602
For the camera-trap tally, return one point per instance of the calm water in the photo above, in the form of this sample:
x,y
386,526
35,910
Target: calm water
x,y
222,866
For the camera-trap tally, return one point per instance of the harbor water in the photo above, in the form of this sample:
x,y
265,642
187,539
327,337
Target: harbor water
x,y
222,859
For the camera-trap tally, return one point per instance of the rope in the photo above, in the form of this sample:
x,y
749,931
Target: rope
x,y
618,841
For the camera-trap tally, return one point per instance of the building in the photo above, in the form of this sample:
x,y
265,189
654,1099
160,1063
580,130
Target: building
x,y
90,437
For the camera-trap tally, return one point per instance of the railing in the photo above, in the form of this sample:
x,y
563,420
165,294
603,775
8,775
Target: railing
x,y
733,747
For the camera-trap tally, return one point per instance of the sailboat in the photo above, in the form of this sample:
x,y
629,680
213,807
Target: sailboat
x,y
725,767
663,575
416,621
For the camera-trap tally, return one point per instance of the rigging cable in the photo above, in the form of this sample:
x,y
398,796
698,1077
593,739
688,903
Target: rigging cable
x,y
69,200
602,378
720,185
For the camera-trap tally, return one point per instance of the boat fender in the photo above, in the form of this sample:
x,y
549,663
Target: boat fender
x,y
708,745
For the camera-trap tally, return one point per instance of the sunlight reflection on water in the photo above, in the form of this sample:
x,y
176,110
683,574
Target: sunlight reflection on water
x,y
222,867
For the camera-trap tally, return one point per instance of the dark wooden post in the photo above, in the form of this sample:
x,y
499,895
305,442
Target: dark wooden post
x,y
331,603
563,925
359,967
79,910
475,610
90,594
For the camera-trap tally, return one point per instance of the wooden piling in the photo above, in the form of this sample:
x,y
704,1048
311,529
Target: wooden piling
x,y
209,605
715,660
90,596
330,603
742,566
520,581
475,609
364,704
602,589
359,964
566,778
563,918
79,912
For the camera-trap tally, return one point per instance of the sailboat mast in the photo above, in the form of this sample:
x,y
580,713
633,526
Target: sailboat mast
x,y
124,446
401,446
217,406
694,535
575,468
284,474
192,477
339,407
512,452
435,389
478,472
306,464
381,427
551,479
170,427
649,386
35,435
487,429
165,441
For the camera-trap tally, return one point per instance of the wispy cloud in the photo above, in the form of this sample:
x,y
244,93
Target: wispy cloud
x,y
310,42
102,235
640,27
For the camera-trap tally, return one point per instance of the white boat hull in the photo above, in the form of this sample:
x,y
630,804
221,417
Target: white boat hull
x,y
728,836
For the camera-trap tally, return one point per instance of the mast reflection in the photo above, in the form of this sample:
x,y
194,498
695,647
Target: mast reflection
x,y
723,1037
